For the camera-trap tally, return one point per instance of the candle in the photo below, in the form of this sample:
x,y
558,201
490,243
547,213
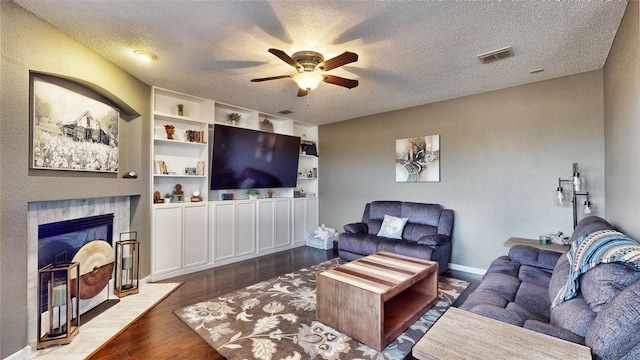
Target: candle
x,y
59,295
126,263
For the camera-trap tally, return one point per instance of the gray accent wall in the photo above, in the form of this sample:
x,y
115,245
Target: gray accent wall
x,y
622,126
30,44
501,155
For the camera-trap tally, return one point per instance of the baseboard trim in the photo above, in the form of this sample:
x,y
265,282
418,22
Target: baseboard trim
x,y
468,269
22,354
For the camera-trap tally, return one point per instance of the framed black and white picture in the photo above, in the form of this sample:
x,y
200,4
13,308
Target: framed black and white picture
x,y
72,131
418,159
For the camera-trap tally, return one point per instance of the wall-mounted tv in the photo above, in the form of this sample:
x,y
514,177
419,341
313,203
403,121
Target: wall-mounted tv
x,y
244,159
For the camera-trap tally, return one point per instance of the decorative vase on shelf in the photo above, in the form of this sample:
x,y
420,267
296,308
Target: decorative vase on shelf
x,y
180,108
170,130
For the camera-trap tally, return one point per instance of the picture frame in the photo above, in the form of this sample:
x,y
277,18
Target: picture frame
x,y
418,159
71,130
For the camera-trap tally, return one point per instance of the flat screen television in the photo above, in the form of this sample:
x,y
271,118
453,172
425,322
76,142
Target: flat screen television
x,y
246,159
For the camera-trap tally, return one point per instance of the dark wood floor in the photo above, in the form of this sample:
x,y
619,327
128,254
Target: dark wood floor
x,y
159,334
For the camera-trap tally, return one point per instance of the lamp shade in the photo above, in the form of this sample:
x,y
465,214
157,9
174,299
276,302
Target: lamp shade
x,y
308,80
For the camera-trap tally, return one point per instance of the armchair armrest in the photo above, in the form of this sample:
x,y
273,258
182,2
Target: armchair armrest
x,y
356,228
433,239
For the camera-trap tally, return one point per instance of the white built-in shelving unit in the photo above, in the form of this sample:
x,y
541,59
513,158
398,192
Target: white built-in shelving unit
x,y
199,230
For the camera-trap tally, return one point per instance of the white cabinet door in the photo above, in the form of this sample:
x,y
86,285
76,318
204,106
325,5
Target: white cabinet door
x,y
195,234
299,220
222,222
312,214
246,227
265,214
167,244
282,222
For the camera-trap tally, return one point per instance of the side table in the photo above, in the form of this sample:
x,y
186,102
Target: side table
x,y
460,334
536,244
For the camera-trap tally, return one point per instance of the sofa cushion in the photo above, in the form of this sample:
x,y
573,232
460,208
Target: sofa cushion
x,y
374,226
604,282
527,313
423,214
559,277
392,227
504,265
500,284
481,297
588,225
378,209
499,313
415,232
554,331
536,276
533,296
528,255
405,247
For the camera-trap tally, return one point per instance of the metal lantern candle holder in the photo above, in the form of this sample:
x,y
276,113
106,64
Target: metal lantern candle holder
x,y
58,289
127,264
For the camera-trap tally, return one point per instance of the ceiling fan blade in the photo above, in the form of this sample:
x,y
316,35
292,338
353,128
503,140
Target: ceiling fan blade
x,y
340,81
302,92
342,59
284,57
271,78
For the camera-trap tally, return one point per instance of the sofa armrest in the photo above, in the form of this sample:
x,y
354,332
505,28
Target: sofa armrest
x,y
528,255
615,332
445,225
356,228
433,240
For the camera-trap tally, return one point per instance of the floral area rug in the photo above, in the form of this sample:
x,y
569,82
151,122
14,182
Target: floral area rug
x,y
276,320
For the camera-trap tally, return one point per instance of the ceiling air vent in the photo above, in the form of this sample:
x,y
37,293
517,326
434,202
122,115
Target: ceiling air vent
x,y
496,55
285,112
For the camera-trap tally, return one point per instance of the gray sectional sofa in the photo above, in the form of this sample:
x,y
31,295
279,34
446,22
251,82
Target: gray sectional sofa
x,y
605,315
426,235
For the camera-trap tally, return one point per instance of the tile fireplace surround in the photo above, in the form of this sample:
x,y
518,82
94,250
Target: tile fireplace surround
x,y
54,211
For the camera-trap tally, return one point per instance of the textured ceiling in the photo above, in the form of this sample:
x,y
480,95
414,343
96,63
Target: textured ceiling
x,y
411,53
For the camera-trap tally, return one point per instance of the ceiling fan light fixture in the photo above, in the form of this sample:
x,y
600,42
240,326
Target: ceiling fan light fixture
x,y
308,80
145,56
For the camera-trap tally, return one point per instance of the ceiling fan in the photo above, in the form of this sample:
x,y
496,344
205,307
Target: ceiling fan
x,y
310,65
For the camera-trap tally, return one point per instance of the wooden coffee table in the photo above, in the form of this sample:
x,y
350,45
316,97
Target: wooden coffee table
x,y
375,298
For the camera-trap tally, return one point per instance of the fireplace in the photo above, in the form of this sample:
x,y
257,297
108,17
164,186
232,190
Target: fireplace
x,y
87,241
71,214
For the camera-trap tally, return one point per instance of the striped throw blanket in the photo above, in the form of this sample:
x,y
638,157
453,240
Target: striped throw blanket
x,y
605,246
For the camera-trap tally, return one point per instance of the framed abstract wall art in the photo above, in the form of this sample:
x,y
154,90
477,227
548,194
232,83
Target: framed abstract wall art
x,y
71,131
418,159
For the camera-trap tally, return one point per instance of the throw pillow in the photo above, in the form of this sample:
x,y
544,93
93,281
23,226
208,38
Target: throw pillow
x,y
392,227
